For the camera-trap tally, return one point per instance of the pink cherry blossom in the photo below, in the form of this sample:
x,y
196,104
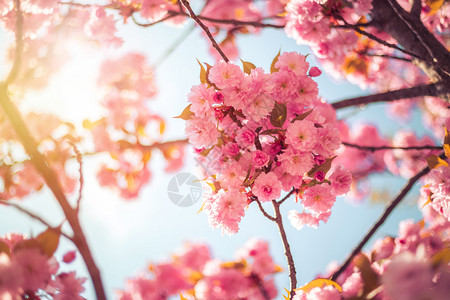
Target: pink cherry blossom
x,y
267,187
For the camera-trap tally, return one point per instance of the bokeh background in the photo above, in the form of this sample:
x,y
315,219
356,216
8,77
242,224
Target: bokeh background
x,y
127,235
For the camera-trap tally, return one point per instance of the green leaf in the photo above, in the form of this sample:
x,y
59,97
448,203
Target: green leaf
x,y
49,240
435,162
325,167
302,116
272,66
248,66
446,143
203,77
441,258
186,114
278,114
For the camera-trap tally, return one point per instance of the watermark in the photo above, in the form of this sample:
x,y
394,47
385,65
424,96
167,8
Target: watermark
x,y
184,189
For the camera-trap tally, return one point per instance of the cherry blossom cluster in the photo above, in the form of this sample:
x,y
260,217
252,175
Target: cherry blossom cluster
x,y
130,131
347,54
194,274
436,191
28,270
361,163
413,265
260,134
18,176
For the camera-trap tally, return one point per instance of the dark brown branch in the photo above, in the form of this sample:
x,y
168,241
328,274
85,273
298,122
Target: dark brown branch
x,y
373,149
19,45
416,8
33,216
205,29
261,208
287,248
381,220
398,10
234,22
435,89
53,183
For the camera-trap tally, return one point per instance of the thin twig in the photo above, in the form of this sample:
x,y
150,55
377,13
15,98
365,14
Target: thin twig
x,y
19,45
234,22
287,248
388,56
165,18
288,195
50,178
174,46
261,208
374,148
80,171
34,216
376,39
205,29
381,220
435,89
255,277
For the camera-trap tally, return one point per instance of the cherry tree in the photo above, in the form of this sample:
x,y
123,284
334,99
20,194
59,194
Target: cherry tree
x,y
263,136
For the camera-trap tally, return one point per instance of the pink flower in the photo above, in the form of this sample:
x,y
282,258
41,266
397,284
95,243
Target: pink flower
x,y
267,187
295,162
407,277
194,256
102,27
328,140
302,135
34,267
246,137
232,175
260,158
341,180
69,286
226,75
201,133
294,62
231,149
69,257
225,210
298,220
318,199
201,98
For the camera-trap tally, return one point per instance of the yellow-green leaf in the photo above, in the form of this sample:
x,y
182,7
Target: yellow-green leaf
x,y
248,66
4,248
320,282
288,294
441,258
446,143
370,278
435,162
182,297
434,6
273,69
186,114
49,240
27,244
203,78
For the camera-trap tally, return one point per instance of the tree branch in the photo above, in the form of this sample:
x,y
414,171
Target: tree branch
x,y
389,56
287,248
434,89
381,220
205,29
373,148
34,216
52,182
288,195
261,208
19,45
